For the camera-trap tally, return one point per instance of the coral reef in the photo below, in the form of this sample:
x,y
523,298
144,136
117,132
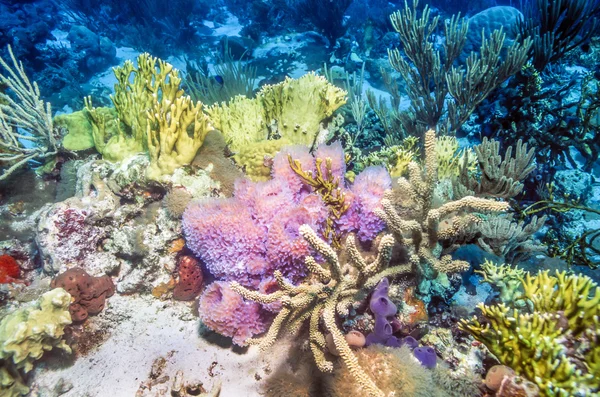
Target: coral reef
x,y
257,178
88,293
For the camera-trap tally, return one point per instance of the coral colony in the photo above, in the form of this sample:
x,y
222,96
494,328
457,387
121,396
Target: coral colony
x,y
299,198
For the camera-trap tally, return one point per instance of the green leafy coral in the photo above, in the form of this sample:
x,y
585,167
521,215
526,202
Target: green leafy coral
x,y
292,112
26,334
554,340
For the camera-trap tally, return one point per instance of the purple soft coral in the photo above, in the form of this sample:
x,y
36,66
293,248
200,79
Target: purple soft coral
x,y
364,198
224,311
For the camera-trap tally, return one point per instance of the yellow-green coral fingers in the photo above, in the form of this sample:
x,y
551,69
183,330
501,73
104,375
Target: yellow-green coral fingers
x,y
269,339
311,264
383,256
321,247
321,361
389,272
346,353
355,256
256,296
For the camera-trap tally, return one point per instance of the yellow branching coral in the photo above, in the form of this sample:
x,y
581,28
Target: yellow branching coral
x,y
153,82
409,213
151,115
176,130
554,340
503,277
331,289
326,185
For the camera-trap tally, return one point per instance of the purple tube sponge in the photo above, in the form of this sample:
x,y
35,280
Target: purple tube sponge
x,y
383,308
426,356
381,289
380,304
409,342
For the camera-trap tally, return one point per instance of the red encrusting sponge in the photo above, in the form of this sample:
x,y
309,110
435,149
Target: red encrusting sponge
x,y
9,269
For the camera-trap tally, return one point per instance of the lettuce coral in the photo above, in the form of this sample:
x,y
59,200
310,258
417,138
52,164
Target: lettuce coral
x,y
27,333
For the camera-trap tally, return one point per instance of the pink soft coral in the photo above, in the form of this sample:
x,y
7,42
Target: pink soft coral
x,y
224,235
225,312
364,197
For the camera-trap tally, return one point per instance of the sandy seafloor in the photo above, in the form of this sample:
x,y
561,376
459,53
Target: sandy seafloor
x,y
141,330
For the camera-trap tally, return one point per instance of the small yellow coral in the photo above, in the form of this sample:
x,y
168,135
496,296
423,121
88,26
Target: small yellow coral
x,y
27,333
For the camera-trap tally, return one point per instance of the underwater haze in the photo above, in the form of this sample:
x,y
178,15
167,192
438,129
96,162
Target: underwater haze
x,y
307,198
